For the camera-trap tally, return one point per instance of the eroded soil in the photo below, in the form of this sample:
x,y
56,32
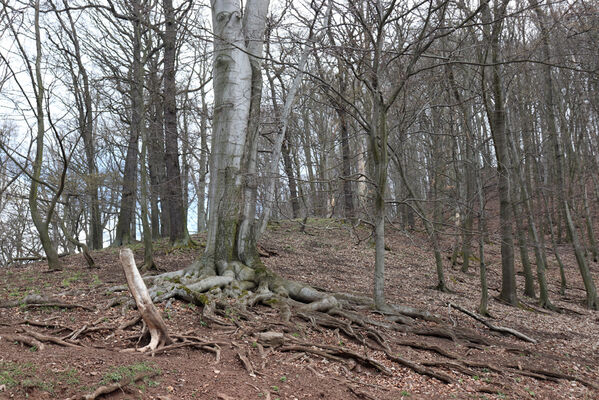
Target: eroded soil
x,y
329,255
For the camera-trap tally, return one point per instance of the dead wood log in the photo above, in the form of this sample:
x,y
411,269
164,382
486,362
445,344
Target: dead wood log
x,y
156,326
492,327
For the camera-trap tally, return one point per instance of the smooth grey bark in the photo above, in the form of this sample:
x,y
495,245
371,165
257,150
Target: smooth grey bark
x,y
282,120
469,170
237,48
306,140
145,223
200,182
348,195
483,307
532,228
519,217
288,165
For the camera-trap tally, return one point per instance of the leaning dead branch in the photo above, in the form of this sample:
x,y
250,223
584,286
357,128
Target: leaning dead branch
x,y
156,326
492,327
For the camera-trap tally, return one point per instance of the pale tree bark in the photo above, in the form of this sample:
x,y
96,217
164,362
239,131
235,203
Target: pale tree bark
x,y
236,40
200,182
469,169
145,223
589,223
150,314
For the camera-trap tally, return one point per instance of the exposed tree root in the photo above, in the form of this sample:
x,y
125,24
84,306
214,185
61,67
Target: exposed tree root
x,y
492,327
428,347
107,389
360,393
226,291
50,339
35,300
32,342
419,368
247,364
337,354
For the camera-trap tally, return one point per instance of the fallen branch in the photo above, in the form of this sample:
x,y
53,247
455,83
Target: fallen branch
x,y
492,327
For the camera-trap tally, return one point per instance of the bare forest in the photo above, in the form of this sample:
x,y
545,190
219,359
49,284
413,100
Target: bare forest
x,y
293,199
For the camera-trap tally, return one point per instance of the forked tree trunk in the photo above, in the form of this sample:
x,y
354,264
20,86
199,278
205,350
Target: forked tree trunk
x,y
231,231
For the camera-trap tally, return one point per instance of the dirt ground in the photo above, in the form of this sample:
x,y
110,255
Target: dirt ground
x,y
477,362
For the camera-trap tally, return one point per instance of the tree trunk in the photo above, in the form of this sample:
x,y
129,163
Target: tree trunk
x,y
348,195
295,207
378,149
156,164
124,233
231,234
589,224
498,123
41,224
587,278
177,231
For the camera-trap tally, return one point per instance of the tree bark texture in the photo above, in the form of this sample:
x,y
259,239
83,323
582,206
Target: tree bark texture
x,y
177,231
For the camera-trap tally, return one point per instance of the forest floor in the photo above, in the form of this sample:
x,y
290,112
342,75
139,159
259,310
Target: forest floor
x,y
478,363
